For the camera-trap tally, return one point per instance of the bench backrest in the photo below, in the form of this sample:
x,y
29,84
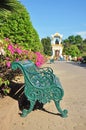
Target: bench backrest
x,y
31,73
26,65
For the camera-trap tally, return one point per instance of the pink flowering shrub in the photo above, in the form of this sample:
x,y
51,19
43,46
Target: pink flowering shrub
x,y
10,52
15,52
39,59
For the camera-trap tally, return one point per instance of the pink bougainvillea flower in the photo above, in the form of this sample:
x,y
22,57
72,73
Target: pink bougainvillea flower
x,y
39,59
25,51
7,39
7,58
8,64
17,59
11,48
38,64
19,51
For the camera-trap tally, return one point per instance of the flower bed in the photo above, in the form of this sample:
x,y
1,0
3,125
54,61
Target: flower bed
x,y
10,52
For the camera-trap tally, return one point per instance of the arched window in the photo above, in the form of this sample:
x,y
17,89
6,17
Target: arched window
x,y
56,41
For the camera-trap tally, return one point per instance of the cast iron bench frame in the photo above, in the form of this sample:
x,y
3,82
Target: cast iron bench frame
x,y
40,84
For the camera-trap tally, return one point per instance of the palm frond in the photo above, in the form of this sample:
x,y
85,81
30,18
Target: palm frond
x,y
8,5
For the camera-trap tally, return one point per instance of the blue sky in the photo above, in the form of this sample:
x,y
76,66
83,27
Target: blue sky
x,y
67,17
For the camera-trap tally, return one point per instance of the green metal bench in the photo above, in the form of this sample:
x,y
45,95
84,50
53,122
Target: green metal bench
x,y
40,85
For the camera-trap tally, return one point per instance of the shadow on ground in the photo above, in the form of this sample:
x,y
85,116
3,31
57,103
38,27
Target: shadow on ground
x,y
17,93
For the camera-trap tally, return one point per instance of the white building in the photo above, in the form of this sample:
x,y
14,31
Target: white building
x,y
57,47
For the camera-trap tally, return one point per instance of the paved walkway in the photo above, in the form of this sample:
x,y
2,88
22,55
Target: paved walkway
x,y
73,80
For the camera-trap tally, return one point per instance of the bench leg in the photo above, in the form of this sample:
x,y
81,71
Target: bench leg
x,y
63,112
26,111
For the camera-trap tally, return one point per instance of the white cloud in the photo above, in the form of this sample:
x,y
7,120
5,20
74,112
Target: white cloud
x,y
82,33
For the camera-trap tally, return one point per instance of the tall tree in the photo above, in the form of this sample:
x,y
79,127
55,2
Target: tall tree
x,y
72,50
78,39
71,39
46,42
84,41
18,27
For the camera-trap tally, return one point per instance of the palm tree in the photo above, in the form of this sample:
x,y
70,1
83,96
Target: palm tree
x,y
7,5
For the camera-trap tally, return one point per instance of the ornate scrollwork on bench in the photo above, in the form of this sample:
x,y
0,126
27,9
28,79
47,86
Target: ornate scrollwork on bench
x,y
40,85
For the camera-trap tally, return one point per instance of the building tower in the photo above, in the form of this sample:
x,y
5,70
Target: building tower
x,y
57,47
